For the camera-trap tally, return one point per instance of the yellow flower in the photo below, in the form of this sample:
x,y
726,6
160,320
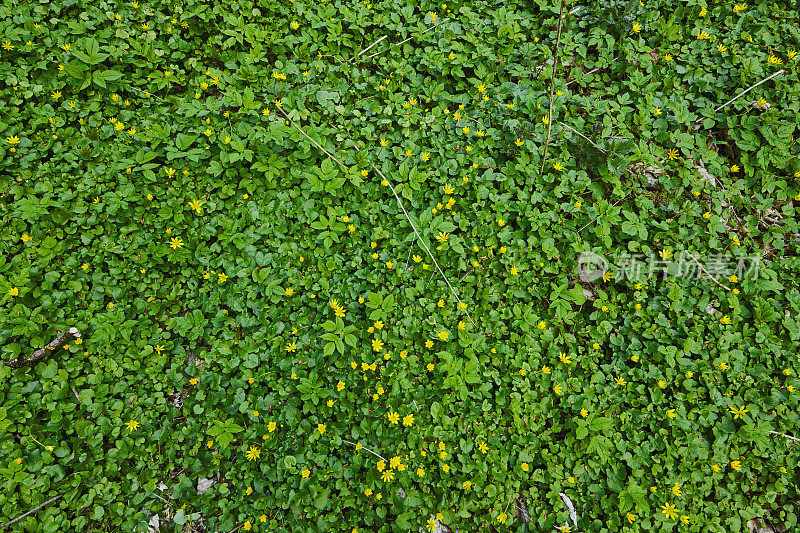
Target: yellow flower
x,y
791,54
630,517
175,243
8,46
738,413
703,35
291,347
393,417
305,473
196,205
703,11
222,277
430,366
558,166
12,140
502,517
669,511
671,413
657,111
584,413
725,320
736,465
253,453
321,428
131,425
420,472
295,24
620,380
389,265
637,27
558,389
672,154
408,420
772,60
787,371
676,489
524,467
723,365
721,48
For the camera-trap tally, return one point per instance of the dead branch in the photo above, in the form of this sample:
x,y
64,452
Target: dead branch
x,y
40,353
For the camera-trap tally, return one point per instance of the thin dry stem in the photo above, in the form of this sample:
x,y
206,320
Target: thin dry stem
x,y
367,449
707,272
285,114
784,435
51,500
399,202
553,84
370,46
582,135
406,40
421,240
699,120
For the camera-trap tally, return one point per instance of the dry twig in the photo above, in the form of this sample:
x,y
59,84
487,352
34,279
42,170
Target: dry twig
x,y
706,272
17,519
399,202
40,353
699,120
784,435
553,84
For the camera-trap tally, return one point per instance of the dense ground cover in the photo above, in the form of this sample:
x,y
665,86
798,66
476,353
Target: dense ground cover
x,y
256,313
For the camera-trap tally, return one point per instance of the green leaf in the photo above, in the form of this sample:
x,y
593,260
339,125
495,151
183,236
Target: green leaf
x,y
601,446
601,423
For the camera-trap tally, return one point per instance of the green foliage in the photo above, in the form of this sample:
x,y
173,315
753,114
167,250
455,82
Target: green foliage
x,y
212,326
